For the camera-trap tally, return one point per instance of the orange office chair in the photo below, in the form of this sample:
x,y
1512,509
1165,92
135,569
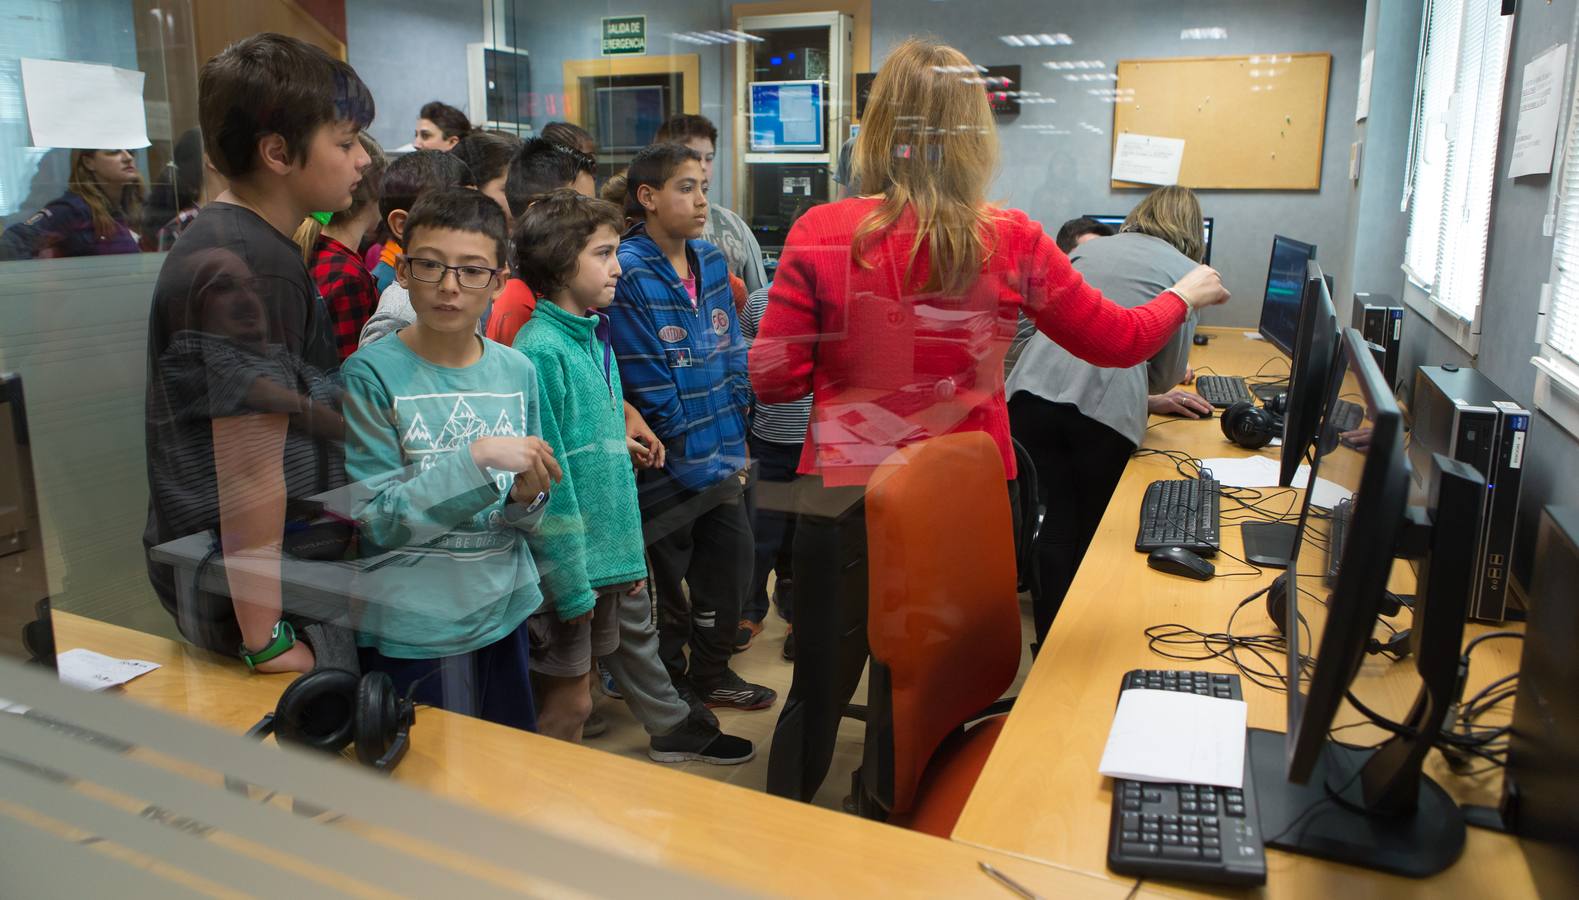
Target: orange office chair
x,y
943,626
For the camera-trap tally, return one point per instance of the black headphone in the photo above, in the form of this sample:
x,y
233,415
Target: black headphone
x,y
1395,647
329,709
1253,427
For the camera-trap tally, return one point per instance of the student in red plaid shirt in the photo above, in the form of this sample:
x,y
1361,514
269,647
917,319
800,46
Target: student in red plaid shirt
x,y
331,254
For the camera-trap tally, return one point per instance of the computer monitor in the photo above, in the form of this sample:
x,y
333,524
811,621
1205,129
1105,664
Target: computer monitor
x,y
1367,806
628,116
25,629
788,117
1285,278
1315,346
1313,353
1117,222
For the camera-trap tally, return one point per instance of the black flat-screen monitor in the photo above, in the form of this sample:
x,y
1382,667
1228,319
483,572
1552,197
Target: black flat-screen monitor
x,y
1285,279
1313,353
1117,222
1367,805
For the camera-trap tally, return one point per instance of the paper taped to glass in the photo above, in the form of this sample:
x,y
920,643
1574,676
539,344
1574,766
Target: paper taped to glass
x,y
84,105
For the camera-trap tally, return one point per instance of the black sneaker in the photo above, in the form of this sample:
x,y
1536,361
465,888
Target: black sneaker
x,y
698,740
789,645
699,709
734,692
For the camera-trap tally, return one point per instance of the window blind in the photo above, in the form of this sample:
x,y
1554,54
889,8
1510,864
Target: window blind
x,y
1459,116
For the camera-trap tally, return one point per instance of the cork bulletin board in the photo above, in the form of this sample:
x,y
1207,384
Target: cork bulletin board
x,y
1248,122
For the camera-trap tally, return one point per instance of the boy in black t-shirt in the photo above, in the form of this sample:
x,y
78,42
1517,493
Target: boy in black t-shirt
x,y
242,414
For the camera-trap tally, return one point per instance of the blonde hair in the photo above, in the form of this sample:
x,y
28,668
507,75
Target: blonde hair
x,y
1173,214
928,143
85,184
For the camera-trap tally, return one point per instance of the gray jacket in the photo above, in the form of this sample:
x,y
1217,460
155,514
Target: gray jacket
x,y
1130,269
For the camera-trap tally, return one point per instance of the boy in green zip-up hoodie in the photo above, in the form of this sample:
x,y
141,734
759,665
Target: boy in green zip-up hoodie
x,y
566,251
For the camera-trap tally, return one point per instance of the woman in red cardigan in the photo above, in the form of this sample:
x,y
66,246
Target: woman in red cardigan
x,y
894,310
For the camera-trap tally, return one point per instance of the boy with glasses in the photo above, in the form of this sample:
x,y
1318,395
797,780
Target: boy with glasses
x,y
452,477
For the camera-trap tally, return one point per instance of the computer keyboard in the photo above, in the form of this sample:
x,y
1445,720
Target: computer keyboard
x,y
1190,832
1180,513
1347,416
1223,391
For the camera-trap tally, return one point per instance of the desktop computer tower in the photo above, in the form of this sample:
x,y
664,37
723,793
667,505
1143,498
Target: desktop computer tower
x,y
1380,320
1461,414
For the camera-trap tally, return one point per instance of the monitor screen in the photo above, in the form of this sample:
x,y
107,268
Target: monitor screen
x,y
1117,222
628,117
1310,368
1343,558
787,117
1285,278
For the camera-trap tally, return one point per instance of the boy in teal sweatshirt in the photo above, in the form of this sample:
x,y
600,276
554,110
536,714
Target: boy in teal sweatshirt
x,y
452,478
566,251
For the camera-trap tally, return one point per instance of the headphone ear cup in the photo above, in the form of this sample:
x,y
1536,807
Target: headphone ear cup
x,y
1277,602
1278,406
317,710
1248,425
377,717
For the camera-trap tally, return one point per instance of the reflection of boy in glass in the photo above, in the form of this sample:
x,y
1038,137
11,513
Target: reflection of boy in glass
x,y
93,217
239,420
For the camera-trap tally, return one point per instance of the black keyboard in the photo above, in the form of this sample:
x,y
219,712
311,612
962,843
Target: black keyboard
x,y
1347,416
1180,513
1223,391
1190,832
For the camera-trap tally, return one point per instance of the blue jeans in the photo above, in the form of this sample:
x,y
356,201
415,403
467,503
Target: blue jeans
x,y
773,525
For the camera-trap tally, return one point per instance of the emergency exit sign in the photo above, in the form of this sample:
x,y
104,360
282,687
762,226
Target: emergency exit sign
x,y
625,36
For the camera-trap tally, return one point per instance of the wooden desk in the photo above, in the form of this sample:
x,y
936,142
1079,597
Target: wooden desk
x,y
1040,796
737,837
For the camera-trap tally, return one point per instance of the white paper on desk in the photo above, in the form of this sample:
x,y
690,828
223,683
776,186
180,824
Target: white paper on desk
x,y
84,105
1173,736
1145,159
1323,493
1539,108
1244,471
94,671
1254,336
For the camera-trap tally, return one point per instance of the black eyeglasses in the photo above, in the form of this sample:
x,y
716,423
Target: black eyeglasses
x,y
432,271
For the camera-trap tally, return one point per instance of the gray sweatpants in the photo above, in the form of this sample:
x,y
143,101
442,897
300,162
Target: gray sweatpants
x,y
639,673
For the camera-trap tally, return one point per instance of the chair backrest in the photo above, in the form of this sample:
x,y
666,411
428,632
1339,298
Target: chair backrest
x,y
943,615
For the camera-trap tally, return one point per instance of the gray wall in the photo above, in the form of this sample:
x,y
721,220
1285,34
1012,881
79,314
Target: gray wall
x,y
410,52
1377,226
1056,177
1518,262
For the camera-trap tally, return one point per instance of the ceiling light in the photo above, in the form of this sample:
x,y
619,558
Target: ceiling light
x,y
1204,34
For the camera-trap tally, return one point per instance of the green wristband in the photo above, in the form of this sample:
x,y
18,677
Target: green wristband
x,y
283,639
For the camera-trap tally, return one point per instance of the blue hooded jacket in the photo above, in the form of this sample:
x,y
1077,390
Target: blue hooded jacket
x,y
683,367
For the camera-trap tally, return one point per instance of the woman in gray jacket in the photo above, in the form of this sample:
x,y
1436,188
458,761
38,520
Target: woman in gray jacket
x,y
1080,423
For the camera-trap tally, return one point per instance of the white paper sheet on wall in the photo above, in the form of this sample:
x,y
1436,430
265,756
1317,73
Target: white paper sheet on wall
x,y
1145,159
1540,102
84,105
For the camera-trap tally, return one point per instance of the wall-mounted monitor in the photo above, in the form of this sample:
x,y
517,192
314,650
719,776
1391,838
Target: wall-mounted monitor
x,y
788,117
628,117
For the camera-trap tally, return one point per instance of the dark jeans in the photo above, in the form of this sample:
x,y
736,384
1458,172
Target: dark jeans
x,y
700,570
773,527
1079,462
491,683
830,637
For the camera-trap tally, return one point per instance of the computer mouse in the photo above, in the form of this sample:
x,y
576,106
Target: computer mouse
x,y
1200,340
1179,561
